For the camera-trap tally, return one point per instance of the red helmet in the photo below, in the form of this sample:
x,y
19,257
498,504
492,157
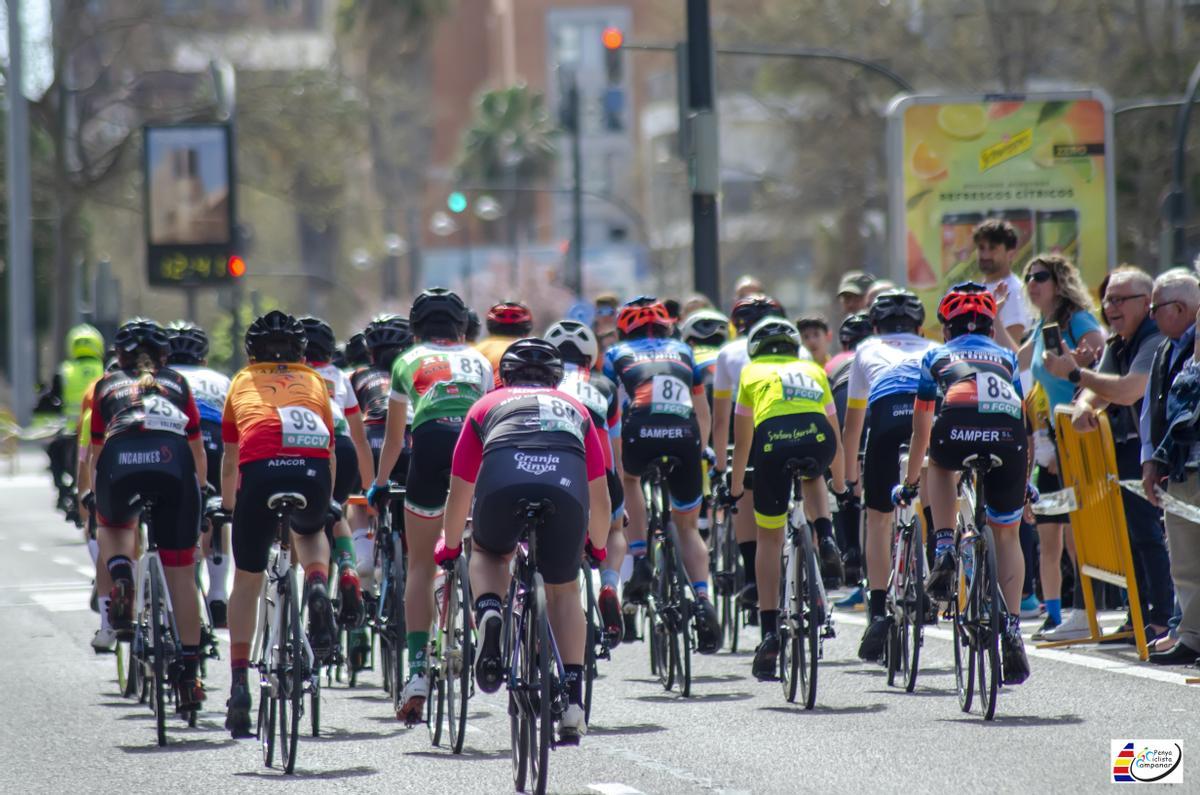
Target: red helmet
x,y
509,316
968,298
642,311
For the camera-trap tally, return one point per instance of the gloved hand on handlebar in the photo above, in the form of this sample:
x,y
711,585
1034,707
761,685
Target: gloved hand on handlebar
x,y
903,494
377,496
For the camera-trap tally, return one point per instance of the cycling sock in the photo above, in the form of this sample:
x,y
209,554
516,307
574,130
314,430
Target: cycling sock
x,y
927,512
94,550
573,674
749,552
239,669
190,657
768,622
824,528
417,641
239,654
701,588
945,540
343,552
484,603
609,577
637,549
104,600
218,577
316,573
876,603
1054,610
120,567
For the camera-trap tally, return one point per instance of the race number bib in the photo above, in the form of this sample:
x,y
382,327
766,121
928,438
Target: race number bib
x,y
593,399
799,385
670,395
303,427
556,414
466,369
996,395
163,415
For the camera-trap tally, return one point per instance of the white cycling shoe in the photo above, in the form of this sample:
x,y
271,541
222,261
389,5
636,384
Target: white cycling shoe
x,y
104,641
572,726
412,699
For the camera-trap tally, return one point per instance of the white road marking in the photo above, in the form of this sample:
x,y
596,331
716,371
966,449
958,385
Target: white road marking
x,y
36,587
25,546
613,788
86,571
64,601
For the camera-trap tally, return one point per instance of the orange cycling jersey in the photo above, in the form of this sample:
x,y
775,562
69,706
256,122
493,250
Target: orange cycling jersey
x,y
278,410
493,348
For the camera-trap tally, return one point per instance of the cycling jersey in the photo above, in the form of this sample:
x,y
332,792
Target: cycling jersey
x,y
598,394
342,400
208,387
730,361
84,432
442,381
706,360
121,404
886,365
658,376
493,348
278,409
779,385
75,375
971,371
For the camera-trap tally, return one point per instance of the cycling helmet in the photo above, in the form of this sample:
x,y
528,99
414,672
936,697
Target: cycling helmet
x,y
339,357
642,312
703,324
531,361
752,308
970,304
141,335
356,351
276,337
189,343
771,333
85,342
435,307
574,340
510,318
319,334
387,331
472,325
897,308
855,328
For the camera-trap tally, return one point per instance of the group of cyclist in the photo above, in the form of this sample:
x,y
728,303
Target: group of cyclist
x,y
470,430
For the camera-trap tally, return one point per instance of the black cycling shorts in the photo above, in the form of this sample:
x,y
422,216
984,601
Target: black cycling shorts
x,y
428,479
506,477
347,478
376,431
214,448
647,437
889,428
776,441
962,431
254,524
153,465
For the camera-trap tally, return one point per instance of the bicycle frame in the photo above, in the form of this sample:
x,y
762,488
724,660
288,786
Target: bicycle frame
x,y
279,570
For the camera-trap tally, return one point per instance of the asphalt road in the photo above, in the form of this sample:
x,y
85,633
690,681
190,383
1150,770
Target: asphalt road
x,y
66,729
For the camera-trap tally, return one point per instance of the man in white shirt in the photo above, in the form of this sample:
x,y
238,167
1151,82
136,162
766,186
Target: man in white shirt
x,y
995,243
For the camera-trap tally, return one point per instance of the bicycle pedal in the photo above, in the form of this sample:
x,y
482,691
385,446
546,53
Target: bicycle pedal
x,y
828,632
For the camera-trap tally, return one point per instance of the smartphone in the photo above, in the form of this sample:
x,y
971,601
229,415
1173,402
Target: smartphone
x,y
1058,233
958,240
1022,221
1052,337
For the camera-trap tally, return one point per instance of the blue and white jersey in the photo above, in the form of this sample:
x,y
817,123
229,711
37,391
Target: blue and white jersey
x,y
208,387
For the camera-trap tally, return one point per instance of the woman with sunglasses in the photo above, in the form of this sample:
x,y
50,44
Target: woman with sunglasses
x,y
1057,292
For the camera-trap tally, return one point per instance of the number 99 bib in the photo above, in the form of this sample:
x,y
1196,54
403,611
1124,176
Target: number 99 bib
x,y
302,427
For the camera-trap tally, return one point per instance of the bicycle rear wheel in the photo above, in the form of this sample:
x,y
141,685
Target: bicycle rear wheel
x,y
514,666
290,691
127,669
684,635
990,626
435,704
964,656
593,636
266,724
461,656
791,645
541,655
158,654
396,627
808,588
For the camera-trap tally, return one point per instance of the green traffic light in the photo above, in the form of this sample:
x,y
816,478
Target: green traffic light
x,y
456,201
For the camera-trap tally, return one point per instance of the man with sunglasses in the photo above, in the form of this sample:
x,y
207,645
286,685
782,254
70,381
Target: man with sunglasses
x,y
995,248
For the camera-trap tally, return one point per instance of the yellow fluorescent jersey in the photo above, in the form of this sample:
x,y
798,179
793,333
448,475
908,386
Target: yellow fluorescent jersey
x,y
779,385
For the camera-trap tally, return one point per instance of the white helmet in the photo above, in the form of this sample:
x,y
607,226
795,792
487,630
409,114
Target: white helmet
x,y
772,331
575,334
704,323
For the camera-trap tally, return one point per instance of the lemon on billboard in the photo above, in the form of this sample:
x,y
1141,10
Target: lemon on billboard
x,y
1042,162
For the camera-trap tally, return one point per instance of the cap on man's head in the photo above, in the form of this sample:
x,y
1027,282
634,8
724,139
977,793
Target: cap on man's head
x,y
856,283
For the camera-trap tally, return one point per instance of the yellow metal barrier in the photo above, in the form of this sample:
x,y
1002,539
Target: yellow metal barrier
x,y
1089,468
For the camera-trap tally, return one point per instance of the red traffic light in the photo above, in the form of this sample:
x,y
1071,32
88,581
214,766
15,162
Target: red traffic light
x,y
236,266
612,38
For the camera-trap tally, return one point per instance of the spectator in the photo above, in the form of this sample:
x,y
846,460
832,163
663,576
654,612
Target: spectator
x,y
747,285
605,322
1117,387
815,336
1173,306
694,303
995,243
852,292
878,287
1056,289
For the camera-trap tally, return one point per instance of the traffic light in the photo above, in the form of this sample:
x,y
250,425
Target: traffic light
x,y
456,202
236,266
612,38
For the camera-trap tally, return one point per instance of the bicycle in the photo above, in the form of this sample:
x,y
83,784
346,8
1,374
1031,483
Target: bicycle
x,y
806,621
728,577
536,679
285,661
451,654
977,606
906,595
599,643
387,620
670,604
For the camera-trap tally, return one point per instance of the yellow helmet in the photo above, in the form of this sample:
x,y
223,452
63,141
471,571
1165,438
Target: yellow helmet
x,y
85,342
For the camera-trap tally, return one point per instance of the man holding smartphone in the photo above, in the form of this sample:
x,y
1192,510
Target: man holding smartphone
x,y
995,245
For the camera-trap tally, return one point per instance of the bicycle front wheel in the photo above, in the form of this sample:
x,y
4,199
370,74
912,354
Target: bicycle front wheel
x,y
912,635
461,655
158,653
990,628
593,637
290,691
541,655
964,654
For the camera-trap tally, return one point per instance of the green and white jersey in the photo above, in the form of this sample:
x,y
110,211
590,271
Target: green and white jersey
x,y
440,381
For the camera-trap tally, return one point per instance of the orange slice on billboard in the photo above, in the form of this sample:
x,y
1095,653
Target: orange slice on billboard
x,y
926,163
920,275
1043,153
966,122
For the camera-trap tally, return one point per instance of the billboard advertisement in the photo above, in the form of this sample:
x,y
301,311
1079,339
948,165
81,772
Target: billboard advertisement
x,y
1042,162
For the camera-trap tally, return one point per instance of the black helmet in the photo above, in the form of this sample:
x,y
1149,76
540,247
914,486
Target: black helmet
x,y
770,334
320,339
472,325
531,361
141,335
855,328
276,337
189,343
438,304
356,350
387,331
749,310
897,309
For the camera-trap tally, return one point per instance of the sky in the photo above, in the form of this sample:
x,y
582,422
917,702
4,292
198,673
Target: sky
x,y
39,61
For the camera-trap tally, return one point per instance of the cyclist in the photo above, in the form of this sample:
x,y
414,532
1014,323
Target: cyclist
x,y
981,412
884,376
189,358
530,440
854,329
664,414
705,331
85,349
146,445
472,335
784,411
507,322
355,353
278,434
747,311
578,348
355,467
442,377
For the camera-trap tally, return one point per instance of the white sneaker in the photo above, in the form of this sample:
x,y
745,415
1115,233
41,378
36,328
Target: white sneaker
x,y
1073,627
572,726
412,699
104,641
